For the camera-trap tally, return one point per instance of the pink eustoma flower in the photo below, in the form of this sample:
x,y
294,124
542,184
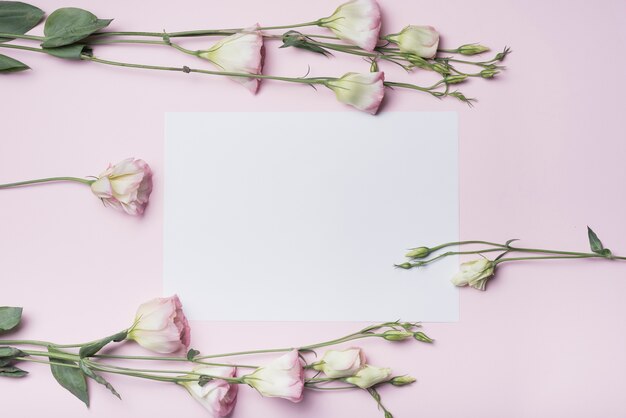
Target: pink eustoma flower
x,y
126,185
362,91
281,378
217,396
239,53
161,326
357,21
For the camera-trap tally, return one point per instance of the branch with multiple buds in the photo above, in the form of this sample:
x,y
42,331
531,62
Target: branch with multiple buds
x,y
160,326
71,33
477,273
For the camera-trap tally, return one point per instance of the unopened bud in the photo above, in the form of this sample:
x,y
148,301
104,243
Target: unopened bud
x,y
455,79
420,336
388,414
419,252
441,68
374,67
472,49
396,335
406,266
489,73
402,380
502,55
419,62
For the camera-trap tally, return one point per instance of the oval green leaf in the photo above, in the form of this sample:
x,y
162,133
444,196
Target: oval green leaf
x,y
70,52
71,378
10,317
68,25
18,18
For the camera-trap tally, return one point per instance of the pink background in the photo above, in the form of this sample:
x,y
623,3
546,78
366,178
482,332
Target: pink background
x,y
542,156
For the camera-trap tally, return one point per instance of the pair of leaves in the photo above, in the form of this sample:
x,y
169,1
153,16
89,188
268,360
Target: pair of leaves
x,y
18,18
7,357
73,377
298,40
10,318
69,25
596,244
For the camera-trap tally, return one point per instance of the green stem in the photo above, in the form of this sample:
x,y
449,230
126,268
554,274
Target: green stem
x,y
553,257
21,36
46,180
24,48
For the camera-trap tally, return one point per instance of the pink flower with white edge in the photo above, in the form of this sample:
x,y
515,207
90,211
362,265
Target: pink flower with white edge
x,y
217,396
161,326
341,363
239,53
281,378
357,21
126,185
422,41
363,91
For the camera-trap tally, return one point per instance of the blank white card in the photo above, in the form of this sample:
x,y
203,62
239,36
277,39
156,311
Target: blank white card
x,y
301,216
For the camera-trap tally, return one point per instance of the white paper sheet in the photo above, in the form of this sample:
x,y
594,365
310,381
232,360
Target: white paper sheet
x,y
301,216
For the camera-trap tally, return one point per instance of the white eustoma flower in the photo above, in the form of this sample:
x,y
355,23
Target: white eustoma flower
x,y
422,41
369,376
239,53
126,185
363,91
281,378
357,21
217,396
475,273
341,363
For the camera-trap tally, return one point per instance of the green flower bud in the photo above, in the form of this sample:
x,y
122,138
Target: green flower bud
x,y
396,335
472,49
420,336
419,252
441,68
374,67
402,380
455,79
406,266
489,73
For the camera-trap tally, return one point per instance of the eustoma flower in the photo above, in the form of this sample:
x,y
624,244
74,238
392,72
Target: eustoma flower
x,y
357,21
281,378
217,396
341,363
474,273
126,185
369,376
239,53
422,41
362,91
161,326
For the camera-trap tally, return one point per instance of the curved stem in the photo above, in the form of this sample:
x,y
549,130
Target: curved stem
x,y
24,48
46,180
22,36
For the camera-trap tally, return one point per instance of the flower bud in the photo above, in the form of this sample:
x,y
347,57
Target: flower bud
x,y
455,79
402,380
419,252
472,49
396,335
374,66
362,91
406,266
420,336
357,21
281,378
489,73
341,363
422,41
217,396
369,376
441,68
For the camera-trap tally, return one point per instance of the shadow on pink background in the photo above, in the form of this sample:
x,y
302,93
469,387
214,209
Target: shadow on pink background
x,y
542,156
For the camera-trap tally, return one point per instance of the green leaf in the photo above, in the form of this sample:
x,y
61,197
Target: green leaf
x,y
10,65
18,18
10,317
70,52
90,373
68,25
191,354
12,371
596,244
11,352
70,378
91,349
298,40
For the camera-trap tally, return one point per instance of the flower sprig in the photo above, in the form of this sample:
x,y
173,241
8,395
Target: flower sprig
x,y
74,34
161,326
477,273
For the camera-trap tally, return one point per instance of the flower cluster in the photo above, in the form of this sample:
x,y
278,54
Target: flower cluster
x,y
354,28
476,273
160,326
